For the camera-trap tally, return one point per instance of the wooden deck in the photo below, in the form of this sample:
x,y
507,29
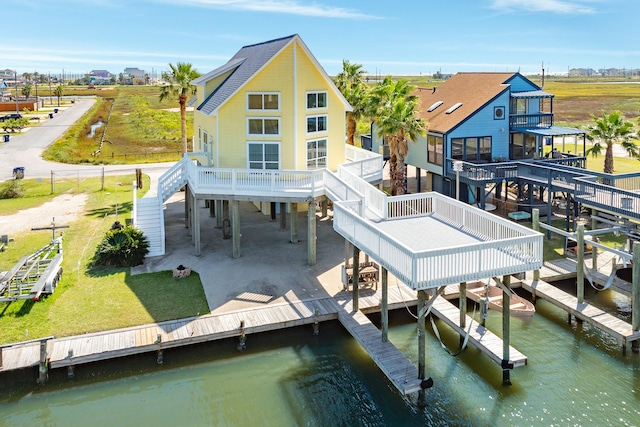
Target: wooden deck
x,y
486,341
612,325
403,374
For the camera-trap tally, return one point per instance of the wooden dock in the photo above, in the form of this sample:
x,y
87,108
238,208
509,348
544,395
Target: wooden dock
x,y
403,374
485,340
603,321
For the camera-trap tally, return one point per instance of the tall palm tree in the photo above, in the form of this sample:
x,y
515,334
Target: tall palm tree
x,y
180,78
351,83
608,130
58,91
26,90
393,108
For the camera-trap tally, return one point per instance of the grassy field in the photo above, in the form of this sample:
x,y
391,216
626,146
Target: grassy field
x,y
139,128
89,299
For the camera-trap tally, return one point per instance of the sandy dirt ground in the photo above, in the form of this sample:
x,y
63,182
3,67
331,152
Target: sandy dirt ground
x,y
65,208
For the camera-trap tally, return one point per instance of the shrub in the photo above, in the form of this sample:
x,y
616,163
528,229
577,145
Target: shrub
x,y
121,247
11,189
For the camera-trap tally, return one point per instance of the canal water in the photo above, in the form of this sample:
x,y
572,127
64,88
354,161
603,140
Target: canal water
x,y
575,376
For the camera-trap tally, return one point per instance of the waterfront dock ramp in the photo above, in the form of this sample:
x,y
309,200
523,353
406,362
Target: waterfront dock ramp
x,y
617,328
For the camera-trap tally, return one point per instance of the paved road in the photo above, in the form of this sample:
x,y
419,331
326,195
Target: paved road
x,y
26,149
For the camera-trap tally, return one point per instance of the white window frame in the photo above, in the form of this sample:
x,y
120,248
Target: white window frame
x,y
264,143
326,156
263,94
263,134
316,93
326,121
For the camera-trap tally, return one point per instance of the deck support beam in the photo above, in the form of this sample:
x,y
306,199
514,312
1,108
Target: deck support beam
x,y
186,205
635,295
580,264
506,317
219,213
384,314
463,309
356,274
422,298
196,226
293,221
235,227
311,232
283,216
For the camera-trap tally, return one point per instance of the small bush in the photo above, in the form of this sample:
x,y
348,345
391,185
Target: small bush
x,y
121,247
11,189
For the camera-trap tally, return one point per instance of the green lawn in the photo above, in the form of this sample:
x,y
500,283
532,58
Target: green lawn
x,y
89,300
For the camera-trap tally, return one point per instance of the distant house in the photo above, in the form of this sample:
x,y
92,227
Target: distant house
x,y
135,72
271,106
483,118
100,73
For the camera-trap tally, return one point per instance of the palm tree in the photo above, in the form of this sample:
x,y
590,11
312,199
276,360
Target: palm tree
x,y
351,83
58,91
609,129
180,78
393,108
26,90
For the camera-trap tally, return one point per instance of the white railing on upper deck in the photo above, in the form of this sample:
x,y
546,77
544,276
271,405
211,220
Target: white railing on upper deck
x,y
512,248
174,178
364,163
202,157
375,199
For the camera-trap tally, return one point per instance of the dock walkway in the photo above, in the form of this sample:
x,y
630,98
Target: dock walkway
x,y
486,341
614,326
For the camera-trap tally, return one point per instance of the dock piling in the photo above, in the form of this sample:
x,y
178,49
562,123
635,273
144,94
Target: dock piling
x,y
316,324
159,354
43,369
242,340
635,295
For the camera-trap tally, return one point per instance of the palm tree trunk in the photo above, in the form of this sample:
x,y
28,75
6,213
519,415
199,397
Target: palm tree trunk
x,y
351,128
392,173
183,121
608,158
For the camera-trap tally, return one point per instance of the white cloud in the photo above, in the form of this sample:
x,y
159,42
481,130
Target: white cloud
x,y
291,7
556,6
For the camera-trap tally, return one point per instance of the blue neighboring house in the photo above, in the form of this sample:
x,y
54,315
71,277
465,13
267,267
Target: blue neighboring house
x,y
484,118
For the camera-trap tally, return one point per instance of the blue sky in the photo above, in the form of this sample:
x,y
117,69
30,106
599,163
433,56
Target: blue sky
x,y
386,37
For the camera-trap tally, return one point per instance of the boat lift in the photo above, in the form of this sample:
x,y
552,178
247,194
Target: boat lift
x,y
35,274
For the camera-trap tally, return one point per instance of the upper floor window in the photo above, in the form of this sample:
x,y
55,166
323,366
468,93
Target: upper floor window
x,y
263,155
316,124
263,101
316,100
263,126
434,149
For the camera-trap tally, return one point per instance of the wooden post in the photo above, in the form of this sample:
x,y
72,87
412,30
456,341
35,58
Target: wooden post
x,y
283,216
293,221
212,208
356,277
43,369
193,208
272,211
385,305
311,233
186,205
324,204
580,264
219,213
506,317
635,295
196,226
235,227
463,309
422,298
594,249
536,227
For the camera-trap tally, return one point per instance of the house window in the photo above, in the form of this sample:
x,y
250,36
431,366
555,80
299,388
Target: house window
x,y
263,155
473,149
316,100
523,146
263,101
434,153
519,106
204,141
316,154
316,124
263,126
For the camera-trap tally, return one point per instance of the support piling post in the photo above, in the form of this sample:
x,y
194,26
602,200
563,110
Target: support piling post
x,y
43,368
536,272
235,227
311,233
324,207
242,339
635,295
293,221
316,324
159,353
283,216
422,298
356,277
463,309
385,305
580,264
506,303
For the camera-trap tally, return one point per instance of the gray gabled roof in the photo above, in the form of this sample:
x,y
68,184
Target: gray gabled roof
x,y
532,94
245,63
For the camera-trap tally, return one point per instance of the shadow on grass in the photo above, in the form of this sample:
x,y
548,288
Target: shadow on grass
x,y
104,271
122,208
167,298
24,309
